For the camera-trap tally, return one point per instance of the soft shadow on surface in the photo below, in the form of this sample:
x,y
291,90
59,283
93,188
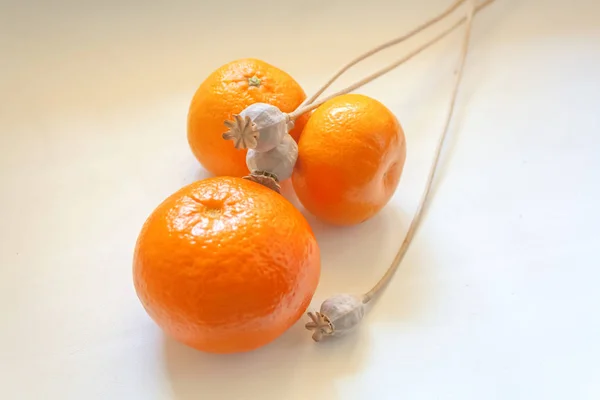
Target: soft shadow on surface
x,y
353,259
356,260
405,300
289,368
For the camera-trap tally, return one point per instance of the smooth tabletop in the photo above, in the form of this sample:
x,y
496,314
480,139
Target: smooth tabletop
x,y
498,296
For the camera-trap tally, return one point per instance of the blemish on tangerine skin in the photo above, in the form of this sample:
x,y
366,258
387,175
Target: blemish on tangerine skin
x,y
390,173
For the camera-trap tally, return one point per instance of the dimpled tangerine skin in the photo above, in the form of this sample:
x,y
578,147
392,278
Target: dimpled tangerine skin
x,y
350,159
226,265
228,91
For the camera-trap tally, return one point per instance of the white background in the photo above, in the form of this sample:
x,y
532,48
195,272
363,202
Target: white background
x,y
498,297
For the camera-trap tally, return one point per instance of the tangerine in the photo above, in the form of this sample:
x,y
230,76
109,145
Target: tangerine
x,y
350,159
226,265
227,91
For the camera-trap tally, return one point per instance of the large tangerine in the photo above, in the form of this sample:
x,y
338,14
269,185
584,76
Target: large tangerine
x,y
226,265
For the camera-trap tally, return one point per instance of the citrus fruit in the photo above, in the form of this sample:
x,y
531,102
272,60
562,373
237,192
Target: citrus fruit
x,y
227,91
225,265
350,159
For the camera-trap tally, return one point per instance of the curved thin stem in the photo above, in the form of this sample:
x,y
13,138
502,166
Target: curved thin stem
x,y
304,109
432,171
383,46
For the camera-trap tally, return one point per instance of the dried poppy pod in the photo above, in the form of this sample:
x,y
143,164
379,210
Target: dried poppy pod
x,y
338,315
263,130
259,127
278,161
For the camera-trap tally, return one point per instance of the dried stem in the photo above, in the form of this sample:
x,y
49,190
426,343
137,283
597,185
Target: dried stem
x,y
306,108
381,47
432,171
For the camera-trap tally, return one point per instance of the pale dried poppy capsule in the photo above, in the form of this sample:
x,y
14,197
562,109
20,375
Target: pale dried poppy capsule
x,y
278,161
259,126
338,315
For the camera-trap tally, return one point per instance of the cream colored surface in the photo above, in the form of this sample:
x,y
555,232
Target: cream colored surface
x,y
498,296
